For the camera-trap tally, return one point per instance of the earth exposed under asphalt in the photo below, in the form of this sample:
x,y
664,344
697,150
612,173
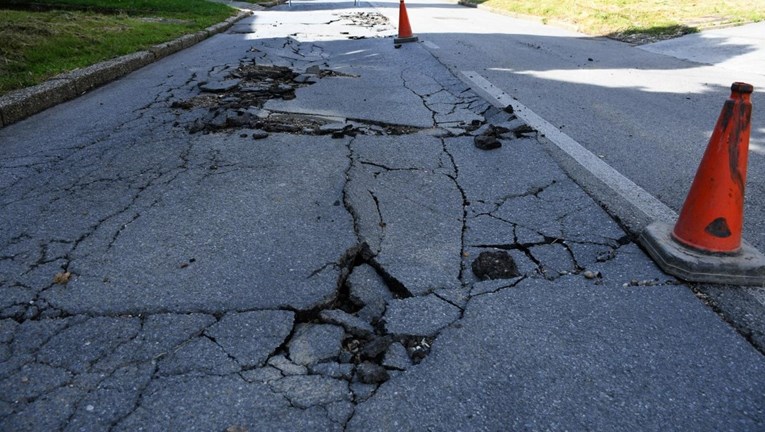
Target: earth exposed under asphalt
x,y
281,229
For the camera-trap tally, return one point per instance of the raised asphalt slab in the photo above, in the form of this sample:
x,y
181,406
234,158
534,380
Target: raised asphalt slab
x,y
244,247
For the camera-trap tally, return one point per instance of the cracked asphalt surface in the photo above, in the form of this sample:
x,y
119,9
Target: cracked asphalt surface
x,y
277,229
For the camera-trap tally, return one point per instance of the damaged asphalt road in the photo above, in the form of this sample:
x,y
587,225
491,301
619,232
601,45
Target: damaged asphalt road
x,y
280,229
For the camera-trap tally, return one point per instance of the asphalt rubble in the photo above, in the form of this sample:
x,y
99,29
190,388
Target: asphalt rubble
x,y
306,231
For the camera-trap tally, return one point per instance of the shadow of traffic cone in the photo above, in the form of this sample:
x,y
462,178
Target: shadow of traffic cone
x,y
705,244
404,29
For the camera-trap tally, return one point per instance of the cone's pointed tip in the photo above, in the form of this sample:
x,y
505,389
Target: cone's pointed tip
x,y
737,87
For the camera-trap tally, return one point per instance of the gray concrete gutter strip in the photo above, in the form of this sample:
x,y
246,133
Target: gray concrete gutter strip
x,y
20,104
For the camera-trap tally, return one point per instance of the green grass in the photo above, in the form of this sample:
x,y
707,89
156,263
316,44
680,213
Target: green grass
x,y
38,45
633,19
193,7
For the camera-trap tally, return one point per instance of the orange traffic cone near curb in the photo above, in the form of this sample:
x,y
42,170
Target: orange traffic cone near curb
x,y
705,244
404,29
713,213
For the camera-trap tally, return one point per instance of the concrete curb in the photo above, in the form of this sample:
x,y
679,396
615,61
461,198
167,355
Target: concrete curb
x,y
20,104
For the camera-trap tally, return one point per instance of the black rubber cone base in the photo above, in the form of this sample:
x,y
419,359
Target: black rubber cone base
x,y
746,267
405,40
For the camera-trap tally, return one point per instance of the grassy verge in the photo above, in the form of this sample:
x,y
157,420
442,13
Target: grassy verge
x,y
637,20
39,44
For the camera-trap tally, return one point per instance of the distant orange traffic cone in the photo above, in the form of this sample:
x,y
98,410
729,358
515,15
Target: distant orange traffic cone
x,y
404,29
713,213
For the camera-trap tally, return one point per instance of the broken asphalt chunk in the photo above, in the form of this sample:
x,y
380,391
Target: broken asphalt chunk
x,y
286,366
487,142
522,130
376,346
306,79
219,86
314,343
494,265
370,373
367,287
372,312
352,324
397,357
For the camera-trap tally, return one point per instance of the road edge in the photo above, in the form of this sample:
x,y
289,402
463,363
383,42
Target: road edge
x,y
631,205
20,104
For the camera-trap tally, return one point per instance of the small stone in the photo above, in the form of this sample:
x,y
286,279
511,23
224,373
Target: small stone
x,y
62,278
606,256
485,142
591,274
494,265
259,135
313,70
90,408
370,373
236,428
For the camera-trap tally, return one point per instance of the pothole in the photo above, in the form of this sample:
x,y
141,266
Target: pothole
x,y
348,333
235,101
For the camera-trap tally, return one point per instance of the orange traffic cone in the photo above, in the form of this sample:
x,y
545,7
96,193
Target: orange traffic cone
x,y
705,245
712,216
404,29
